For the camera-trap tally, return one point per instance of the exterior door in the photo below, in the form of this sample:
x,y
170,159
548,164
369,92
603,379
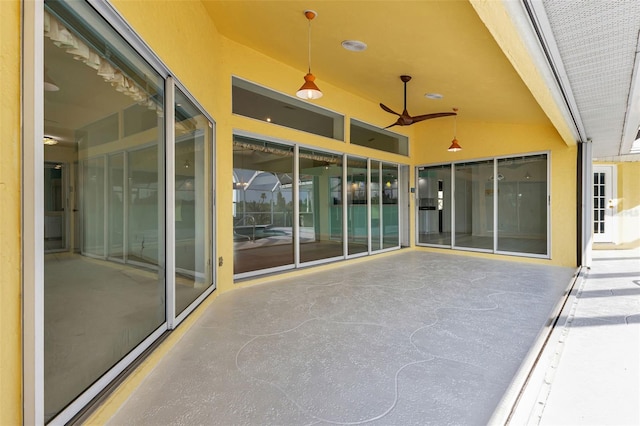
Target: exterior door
x,y
603,204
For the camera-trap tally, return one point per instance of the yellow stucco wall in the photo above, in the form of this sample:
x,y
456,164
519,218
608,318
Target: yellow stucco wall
x,y
10,259
629,203
627,217
497,20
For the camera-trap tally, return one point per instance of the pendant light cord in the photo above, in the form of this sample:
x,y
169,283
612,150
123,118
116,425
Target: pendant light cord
x,y
455,126
455,123
309,41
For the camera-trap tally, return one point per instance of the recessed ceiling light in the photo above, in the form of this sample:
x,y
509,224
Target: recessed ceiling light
x,y
354,45
433,96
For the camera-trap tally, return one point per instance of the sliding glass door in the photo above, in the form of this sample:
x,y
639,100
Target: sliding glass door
x,y
320,210
193,196
107,296
474,205
117,203
376,206
263,198
434,205
357,208
514,222
334,210
522,204
100,305
93,204
390,207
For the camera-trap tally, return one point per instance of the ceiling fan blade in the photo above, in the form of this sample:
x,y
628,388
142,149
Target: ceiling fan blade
x,y
405,119
423,117
401,121
386,108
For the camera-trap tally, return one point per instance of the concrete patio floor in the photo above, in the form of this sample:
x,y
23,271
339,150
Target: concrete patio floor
x,y
589,372
401,339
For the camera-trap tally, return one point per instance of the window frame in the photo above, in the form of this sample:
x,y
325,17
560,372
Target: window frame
x,y
370,127
339,120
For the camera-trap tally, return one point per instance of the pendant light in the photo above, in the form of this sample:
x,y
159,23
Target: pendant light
x,y
309,90
455,146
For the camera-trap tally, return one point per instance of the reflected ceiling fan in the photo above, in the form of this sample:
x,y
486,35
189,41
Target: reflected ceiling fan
x,y
405,119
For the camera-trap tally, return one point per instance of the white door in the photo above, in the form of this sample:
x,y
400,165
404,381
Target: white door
x,y
603,204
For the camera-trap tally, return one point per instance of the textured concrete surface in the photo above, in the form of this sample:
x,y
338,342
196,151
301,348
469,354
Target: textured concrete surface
x,y
596,377
411,338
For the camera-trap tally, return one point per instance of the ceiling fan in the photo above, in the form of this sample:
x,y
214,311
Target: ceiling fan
x,y
405,119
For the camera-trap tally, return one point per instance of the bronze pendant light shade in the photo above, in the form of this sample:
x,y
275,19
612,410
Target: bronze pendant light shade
x,y
455,146
309,89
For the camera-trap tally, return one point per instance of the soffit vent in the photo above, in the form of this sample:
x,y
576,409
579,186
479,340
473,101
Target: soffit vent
x,y
598,42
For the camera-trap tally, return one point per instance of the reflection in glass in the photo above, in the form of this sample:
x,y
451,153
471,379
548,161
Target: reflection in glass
x,y
143,206
390,213
376,240
320,195
116,206
474,205
522,204
193,206
358,228
252,100
103,298
55,232
434,205
374,137
263,205
93,205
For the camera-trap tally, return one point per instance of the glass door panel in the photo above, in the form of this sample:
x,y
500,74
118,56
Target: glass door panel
x,y
376,201
143,206
106,117
193,203
390,212
319,195
116,206
474,205
434,205
263,190
93,208
335,204
357,224
522,204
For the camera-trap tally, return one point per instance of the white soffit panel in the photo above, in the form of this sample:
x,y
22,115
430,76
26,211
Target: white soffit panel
x,y
532,25
598,42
